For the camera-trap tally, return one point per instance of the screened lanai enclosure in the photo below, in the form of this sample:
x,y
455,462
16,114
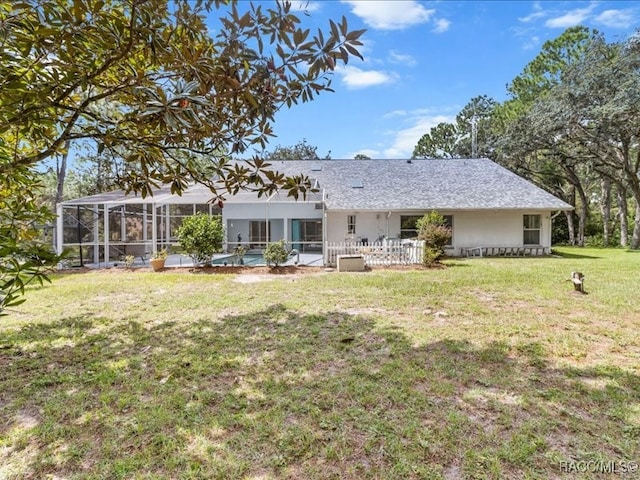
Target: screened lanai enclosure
x,y
108,227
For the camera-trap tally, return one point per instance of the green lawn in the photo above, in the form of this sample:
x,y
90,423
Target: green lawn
x,y
489,368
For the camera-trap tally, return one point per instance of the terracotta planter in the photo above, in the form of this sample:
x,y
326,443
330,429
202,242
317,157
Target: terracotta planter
x,y
157,264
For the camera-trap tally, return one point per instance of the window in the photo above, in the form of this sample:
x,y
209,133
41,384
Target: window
x,y
531,224
409,227
258,234
306,235
448,221
351,224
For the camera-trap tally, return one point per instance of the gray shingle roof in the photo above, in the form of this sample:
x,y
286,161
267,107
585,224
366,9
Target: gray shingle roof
x,y
451,184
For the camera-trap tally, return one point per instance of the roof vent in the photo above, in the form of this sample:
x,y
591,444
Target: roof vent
x,y
357,184
316,167
409,160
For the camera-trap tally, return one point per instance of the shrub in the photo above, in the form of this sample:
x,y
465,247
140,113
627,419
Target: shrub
x,y
275,253
201,236
160,254
433,229
129,260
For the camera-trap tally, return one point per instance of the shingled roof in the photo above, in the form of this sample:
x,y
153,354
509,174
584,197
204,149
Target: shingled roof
x,y
425,184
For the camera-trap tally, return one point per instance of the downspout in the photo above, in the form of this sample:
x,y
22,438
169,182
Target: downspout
x,y
59,227
154,227
266,214
387,222
325,241
105,220
96,239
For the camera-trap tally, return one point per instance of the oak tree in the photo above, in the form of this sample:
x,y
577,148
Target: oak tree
x,y
159,85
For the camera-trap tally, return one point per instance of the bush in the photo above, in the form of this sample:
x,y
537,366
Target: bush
x,y
433,229
275,253
201,236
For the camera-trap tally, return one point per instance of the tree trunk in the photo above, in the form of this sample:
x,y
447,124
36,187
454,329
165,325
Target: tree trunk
x,y
570,224
605,209
582,215
624,215
571,228
61,173
635,239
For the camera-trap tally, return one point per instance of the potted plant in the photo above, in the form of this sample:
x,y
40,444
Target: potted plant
x,y
158,258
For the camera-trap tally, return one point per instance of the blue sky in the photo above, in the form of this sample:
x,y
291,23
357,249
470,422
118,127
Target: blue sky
x,y
423,61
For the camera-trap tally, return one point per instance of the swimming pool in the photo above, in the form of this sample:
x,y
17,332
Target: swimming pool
x,y
247,259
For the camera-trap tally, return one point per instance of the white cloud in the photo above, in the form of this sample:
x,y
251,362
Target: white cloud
x,y
401,58
616,18
405,140
353,77
442,25
537,13
572,18
395,113
390,15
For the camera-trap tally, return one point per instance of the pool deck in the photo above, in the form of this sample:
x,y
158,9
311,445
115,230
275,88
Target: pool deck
x,y
311,259
176,261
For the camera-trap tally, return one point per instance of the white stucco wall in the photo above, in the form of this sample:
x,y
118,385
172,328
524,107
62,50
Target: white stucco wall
x,y
496,229
369,225
236,218
470,228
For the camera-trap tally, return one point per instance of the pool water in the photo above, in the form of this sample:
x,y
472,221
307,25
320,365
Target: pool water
x,y
248,259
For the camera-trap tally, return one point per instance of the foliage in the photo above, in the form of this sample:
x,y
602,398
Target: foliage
x,y
589,122
145,85
546,69
201,236
433,229
129,261
24,258
440,142
276,253
170,87
477,115
448,140
529,143
160,254
601,94
300,151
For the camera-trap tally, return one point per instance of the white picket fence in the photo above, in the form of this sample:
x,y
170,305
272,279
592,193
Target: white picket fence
x,y
401,252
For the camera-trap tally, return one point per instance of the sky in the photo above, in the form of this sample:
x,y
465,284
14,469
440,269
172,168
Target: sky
x,y
424,61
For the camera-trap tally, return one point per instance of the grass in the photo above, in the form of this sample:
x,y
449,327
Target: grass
x,y
490,368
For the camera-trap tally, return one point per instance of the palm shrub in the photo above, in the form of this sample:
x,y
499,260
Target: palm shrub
x,y
275,253
433,230
201,236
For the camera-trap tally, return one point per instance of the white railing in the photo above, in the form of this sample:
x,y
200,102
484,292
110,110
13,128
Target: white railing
x,y
400,252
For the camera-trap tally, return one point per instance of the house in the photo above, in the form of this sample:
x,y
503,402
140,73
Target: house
x,y
365,201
